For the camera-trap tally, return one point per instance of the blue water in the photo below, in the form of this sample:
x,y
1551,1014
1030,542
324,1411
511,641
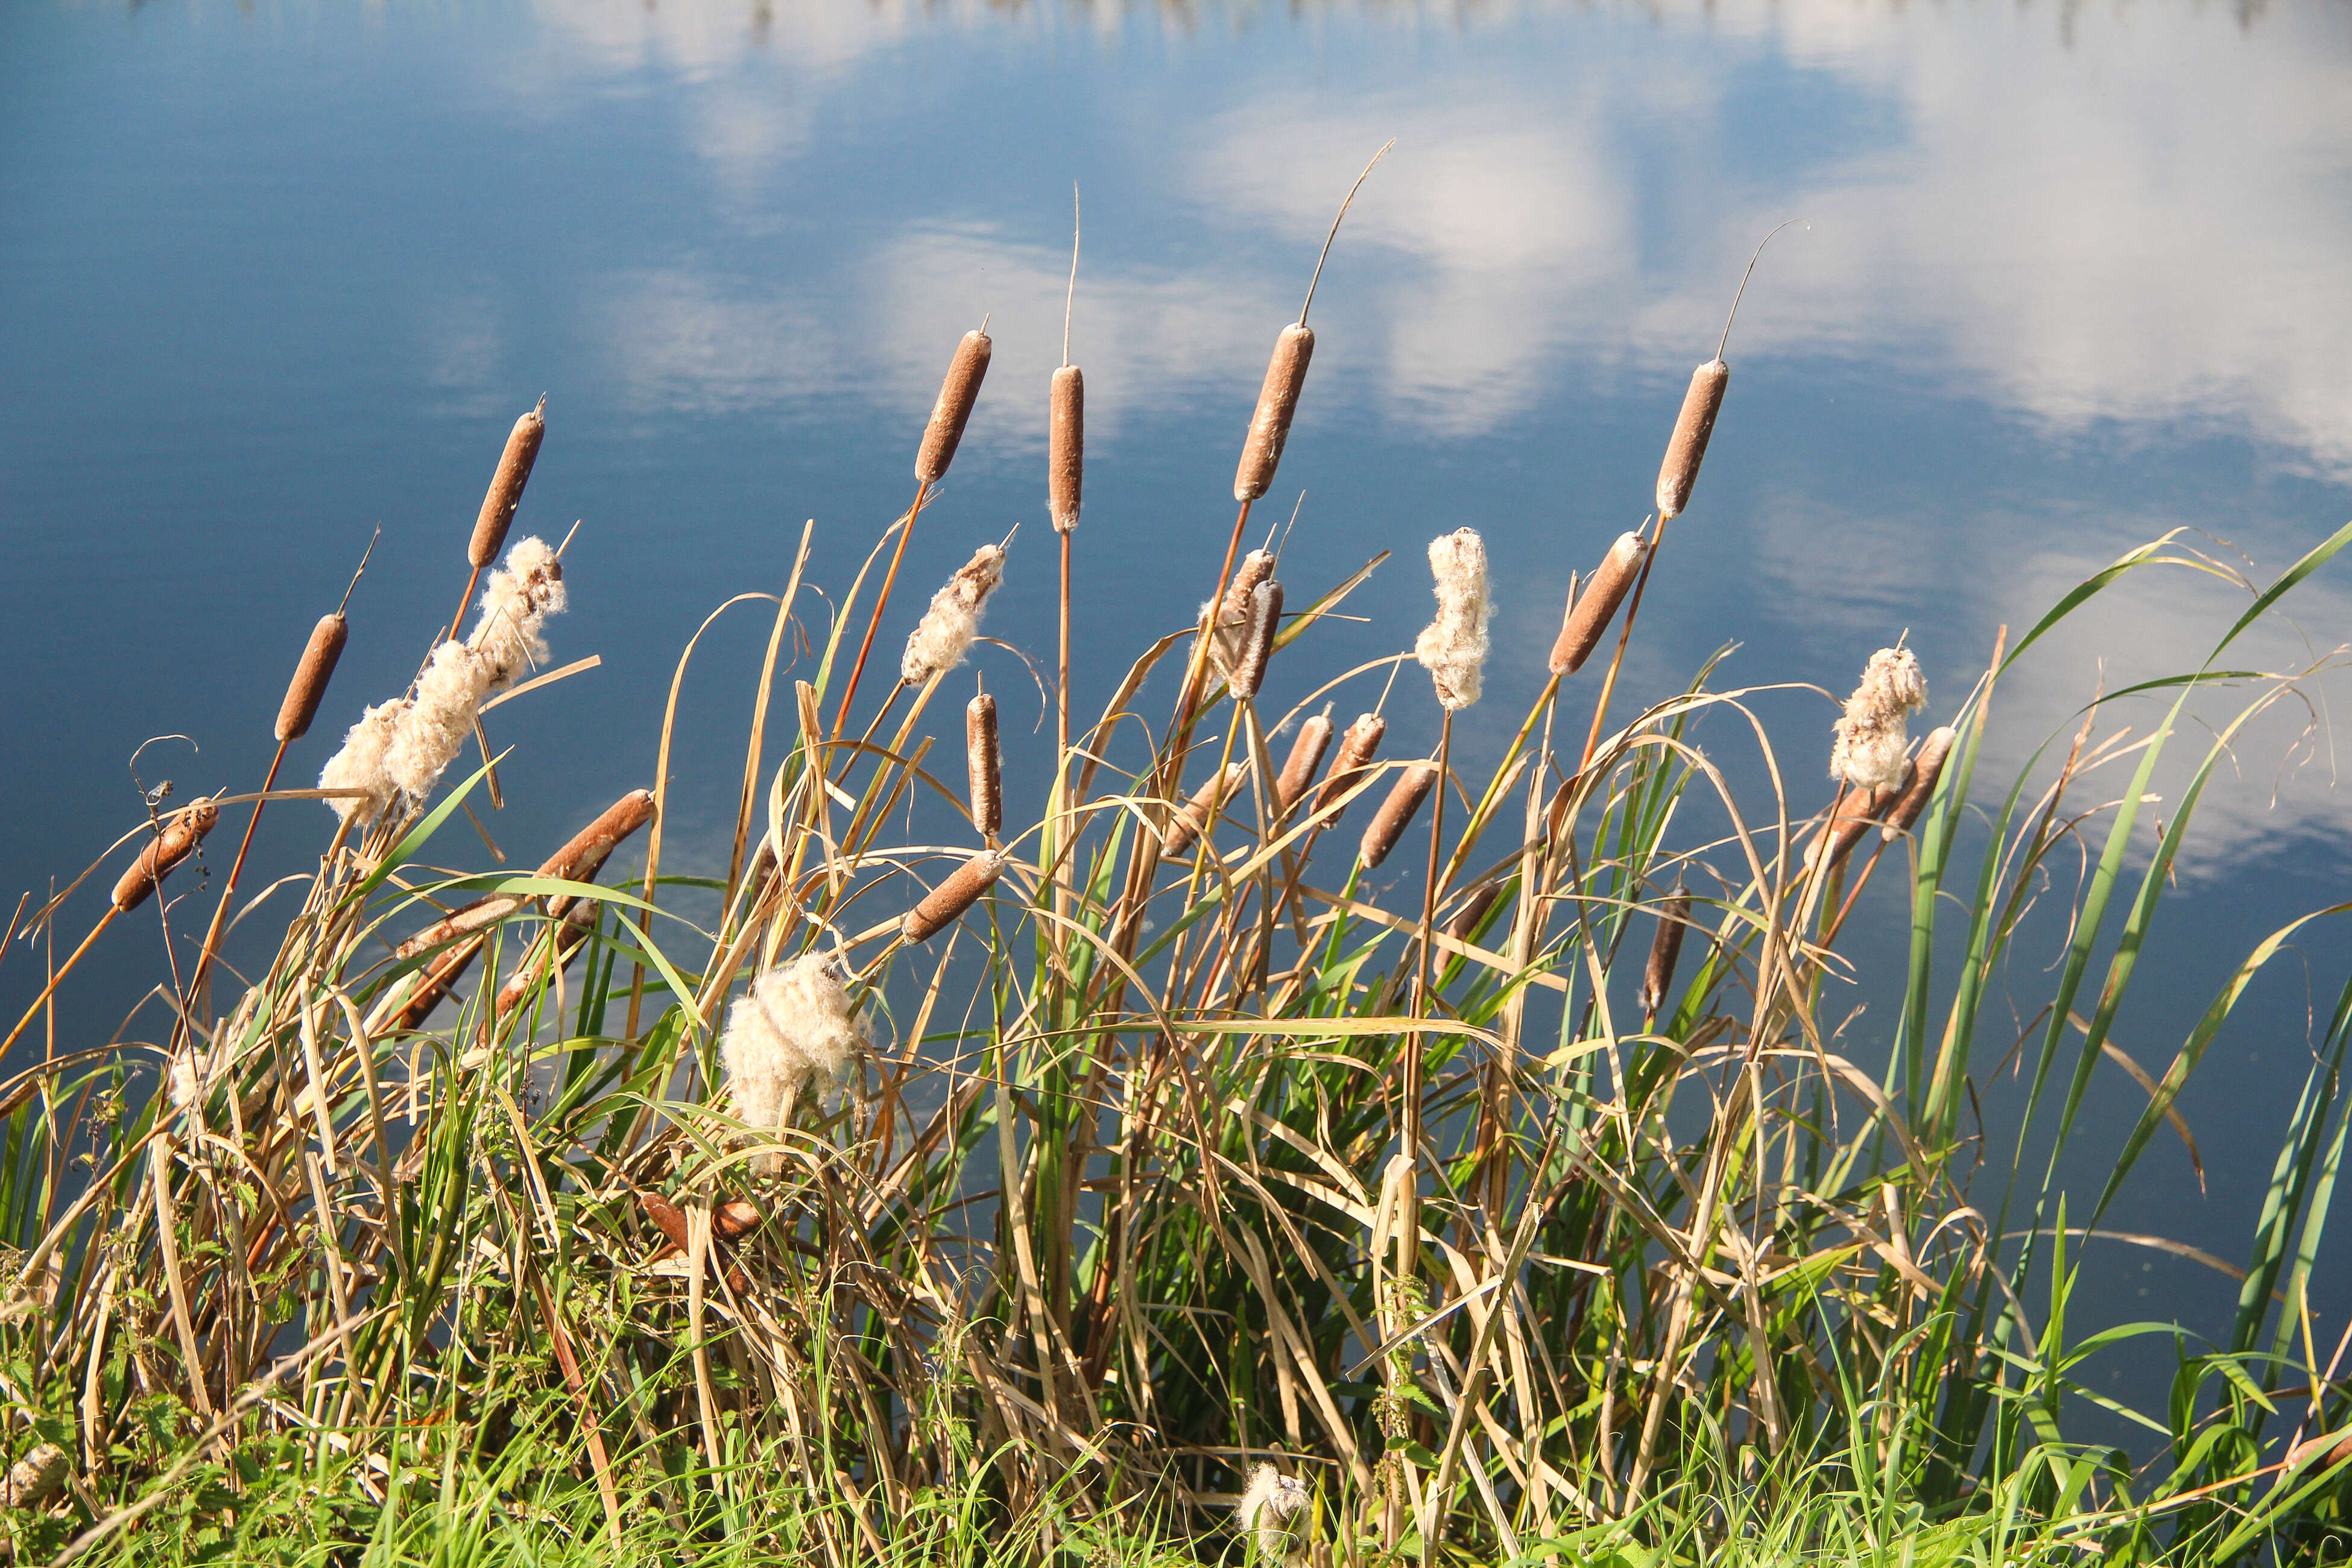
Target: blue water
x,y
273,275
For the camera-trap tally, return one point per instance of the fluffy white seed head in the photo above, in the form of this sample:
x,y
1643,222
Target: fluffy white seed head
x,y
402,748
189,1073
1871,737
515,606
1453,648
360,764
434,729
1268,1510
945,634
791,1041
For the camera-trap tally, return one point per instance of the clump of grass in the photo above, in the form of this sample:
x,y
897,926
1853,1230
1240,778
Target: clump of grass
x,y
1140,1190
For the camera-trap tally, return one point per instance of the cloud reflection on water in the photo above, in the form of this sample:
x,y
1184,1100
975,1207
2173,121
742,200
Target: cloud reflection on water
x,y
2053,226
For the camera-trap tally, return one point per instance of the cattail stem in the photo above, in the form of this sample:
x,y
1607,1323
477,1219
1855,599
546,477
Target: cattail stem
x,y
50,989
1062,739
457,621
849,692
228,893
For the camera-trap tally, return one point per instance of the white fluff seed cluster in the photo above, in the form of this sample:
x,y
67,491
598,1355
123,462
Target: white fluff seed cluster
x,y
1267,1510
1453,648
401,749
791,1040
945,634
1871,738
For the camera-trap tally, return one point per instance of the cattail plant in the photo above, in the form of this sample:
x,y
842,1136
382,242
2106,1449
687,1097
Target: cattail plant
x,y
1925,769
468,926
1868,754
959,392
789,1041
1066,473
1702,401
1356,749
175,837
1855,812
1065,446
1285,374
399,750
1472,912
1306,756
1226,620
309,687
505,495
572,929
1686,447
1453,648
303,694
1665,947
1396,814
1257,639
1591,611
1196,814
1278,404
180,835
984,764
939,907
947,629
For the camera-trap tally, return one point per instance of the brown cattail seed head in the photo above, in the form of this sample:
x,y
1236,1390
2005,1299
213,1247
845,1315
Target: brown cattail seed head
x,y
1357,748
958,393
735,1219
1227,620
1925,769
1188,822
1857,812
182,832
667,1216
1066,448
1306,756
580,860
1687,449
1466,921
1277,400
1589,612
1257,639
984,763
1665,947
1396,814
310,677
942,904
506,486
